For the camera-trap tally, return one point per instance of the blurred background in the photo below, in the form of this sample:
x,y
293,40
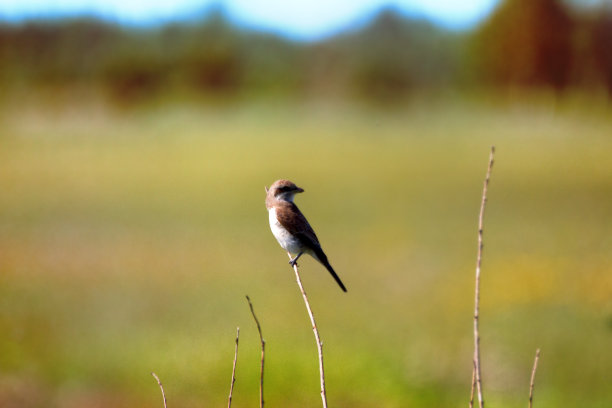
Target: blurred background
x,y
137,138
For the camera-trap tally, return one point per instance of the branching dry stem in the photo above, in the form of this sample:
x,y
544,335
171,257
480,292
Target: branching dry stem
x,y
473,385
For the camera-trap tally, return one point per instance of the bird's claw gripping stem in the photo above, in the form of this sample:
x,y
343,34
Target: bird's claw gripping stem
x,y
293,262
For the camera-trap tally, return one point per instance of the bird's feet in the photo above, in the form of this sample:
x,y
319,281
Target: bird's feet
x,y
293,261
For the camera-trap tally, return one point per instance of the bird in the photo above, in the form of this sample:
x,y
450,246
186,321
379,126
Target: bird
x,y
290,227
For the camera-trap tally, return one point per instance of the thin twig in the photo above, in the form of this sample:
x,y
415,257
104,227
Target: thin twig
x,y
477,290
161,387
533,372
263,348
316,333
473,385
229,401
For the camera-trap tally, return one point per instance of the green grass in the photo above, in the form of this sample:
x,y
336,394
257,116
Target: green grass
x,y
129,239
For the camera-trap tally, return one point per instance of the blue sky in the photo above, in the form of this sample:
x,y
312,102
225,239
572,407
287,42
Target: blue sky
x,y
302,19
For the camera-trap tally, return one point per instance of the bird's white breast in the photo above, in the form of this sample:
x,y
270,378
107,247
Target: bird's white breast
x,y
287,241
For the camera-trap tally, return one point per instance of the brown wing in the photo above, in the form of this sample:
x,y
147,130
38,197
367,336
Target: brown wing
x,y
292,219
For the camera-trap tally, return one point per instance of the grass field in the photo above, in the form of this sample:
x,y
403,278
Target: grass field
x,y
128,240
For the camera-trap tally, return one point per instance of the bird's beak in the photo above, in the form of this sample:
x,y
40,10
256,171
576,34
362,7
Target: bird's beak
x,y
299,190
266,188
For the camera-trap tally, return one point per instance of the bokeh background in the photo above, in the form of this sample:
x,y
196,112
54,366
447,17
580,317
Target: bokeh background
x,y
136,144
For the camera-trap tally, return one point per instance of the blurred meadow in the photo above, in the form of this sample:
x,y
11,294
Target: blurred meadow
x,y
132,217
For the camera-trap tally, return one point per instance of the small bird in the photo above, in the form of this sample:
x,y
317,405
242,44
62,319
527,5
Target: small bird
x,y
290,227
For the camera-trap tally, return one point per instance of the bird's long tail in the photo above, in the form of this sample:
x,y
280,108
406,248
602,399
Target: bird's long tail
x,y
336,277
321,257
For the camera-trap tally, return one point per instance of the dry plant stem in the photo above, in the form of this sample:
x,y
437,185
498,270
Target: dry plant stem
x,y
263,351
316,333
483,203
473,385
533,372
161,387
229,401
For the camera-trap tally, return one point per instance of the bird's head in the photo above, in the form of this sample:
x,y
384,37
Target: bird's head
x,y
284,190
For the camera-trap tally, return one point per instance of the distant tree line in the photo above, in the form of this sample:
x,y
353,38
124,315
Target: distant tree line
x,y
524,43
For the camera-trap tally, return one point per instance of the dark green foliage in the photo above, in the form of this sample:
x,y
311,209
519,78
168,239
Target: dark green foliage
x,y
56,51
393,55
527,43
